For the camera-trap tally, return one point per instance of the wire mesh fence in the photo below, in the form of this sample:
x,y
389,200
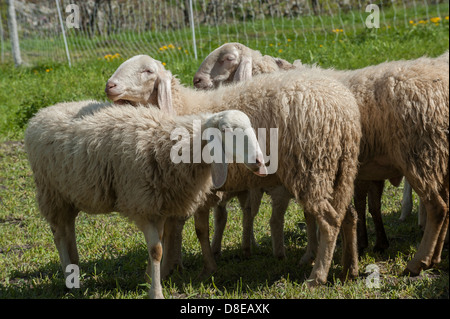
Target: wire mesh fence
x,y
164,29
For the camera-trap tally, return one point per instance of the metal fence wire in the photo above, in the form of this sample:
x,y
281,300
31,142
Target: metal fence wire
x,y
111,28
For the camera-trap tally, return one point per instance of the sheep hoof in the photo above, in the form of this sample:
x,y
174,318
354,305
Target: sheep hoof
x,y
414,268
312,283
155,295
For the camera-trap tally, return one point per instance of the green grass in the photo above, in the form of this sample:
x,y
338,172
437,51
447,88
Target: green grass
x,y
113,252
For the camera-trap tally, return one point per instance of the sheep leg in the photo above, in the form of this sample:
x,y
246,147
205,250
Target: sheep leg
x,y
407,201
220,221
329,223
350,247
422,219
443,235
280,202
429,251
153,233
312,234
172,242
375,193
250,202
201,219
360,195
64,237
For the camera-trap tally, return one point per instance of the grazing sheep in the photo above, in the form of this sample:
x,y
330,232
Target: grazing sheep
x,y
99,158
404,112
318,143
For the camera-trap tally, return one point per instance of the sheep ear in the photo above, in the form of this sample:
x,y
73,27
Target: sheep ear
x,y
165,93
219,172
219,166
244,70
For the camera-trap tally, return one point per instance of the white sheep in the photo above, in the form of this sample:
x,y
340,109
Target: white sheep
x,y
234,62
99,158
404,112
318,143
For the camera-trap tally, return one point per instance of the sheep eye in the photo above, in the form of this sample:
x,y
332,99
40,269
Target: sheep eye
x,y
147,71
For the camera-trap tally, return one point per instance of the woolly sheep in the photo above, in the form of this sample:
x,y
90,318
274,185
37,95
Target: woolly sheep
x,y
234,62
404,112
101,158
317,146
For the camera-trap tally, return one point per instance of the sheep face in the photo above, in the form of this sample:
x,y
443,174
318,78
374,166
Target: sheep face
x,y
141,80
228,63
239,144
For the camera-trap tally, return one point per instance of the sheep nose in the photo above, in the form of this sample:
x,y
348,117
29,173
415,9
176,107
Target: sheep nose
x,y
110,85
197,81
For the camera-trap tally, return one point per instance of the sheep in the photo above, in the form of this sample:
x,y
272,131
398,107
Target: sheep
x,y
233,62
407,201
99,158
404,112
318,143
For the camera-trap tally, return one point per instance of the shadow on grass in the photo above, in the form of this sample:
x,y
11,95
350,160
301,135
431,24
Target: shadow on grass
x,y
123,275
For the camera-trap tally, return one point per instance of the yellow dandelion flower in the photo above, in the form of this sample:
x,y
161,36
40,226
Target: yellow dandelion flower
x,y
270,45
179,48
341,30
411,22
281,50
171,46
47,70
320,45
423,21
289,40
446,18
164,63
435,20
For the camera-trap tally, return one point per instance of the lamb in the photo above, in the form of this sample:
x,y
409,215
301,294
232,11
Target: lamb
x,y
404,112
317,146
101,158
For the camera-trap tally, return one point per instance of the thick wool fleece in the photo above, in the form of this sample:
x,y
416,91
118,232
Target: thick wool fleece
x,y
101,158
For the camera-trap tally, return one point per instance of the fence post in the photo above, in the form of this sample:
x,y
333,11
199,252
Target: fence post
x,y
1,39
12,23
63,32
191,20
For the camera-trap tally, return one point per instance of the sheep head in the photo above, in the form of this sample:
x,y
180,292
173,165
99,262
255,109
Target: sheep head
x,y
141,80
233,62
228,63
238,143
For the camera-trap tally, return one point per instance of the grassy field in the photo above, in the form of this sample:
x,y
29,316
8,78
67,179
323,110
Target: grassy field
x,y
113,252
